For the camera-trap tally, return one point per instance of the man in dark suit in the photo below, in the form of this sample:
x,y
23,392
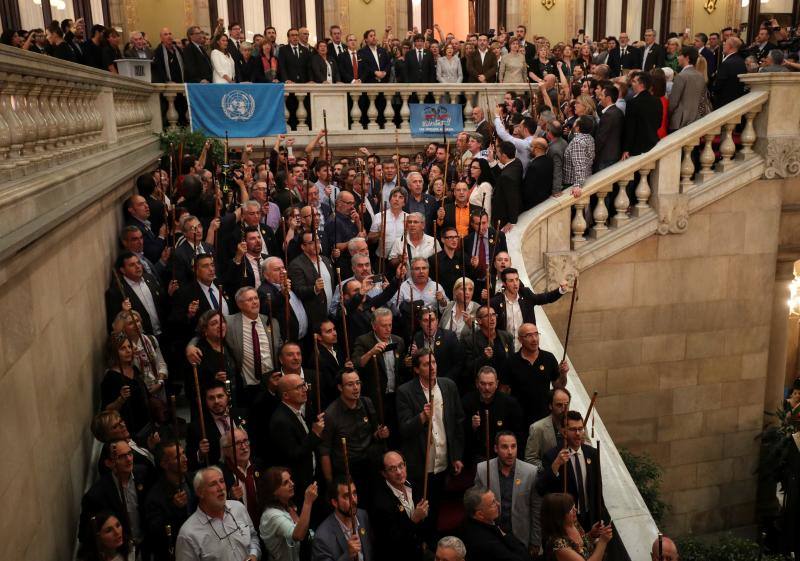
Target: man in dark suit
x,y
314,287
444,344
700,42
608,133
506,197
232,232
414,412
482,64
259,416
293,60
294,440
483,128
167,60
331,543
142,291
419,64
106,494
206,451
653,54
196,62
273,301
137,213
482,536
581,471
196,297
539,178
375,60
528,48
397,513
629,56
480,246
642,117
349,62
236,39
613,60
762,45
514,295
192,247
456,214
727,86
245,267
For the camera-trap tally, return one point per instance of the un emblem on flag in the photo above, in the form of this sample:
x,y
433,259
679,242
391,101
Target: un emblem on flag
x,y
238,105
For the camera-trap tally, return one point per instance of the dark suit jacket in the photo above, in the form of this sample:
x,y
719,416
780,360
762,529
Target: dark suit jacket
x,y
238,59
397,538
196,65
185,295
159,511
447,350
254,70
153,245
549,482
469,245
527,302
279,310
642,120
506,196
474,357
410,402
614,62
258,419
293,68
319,71
292,447
331,545
538,182
367,65
488,68
160,64
450,215
329,367
419,73
193,437
114,302
486,542
369,387
104,494
303,274
184,261
655,57
711,60
608,136
345,63
631,59
727,86
485,129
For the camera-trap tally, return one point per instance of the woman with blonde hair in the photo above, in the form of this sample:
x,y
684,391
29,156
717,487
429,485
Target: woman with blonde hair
x,y
512,66
456,316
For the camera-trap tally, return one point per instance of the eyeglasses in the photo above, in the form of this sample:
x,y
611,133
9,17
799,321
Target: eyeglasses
x,y
303,386
228,534
397,468
576,429
240,443
450,237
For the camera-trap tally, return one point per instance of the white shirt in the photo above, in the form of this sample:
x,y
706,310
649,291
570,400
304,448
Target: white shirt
x,y
513,319
483,54
231,539
223,65
404,496
206,290
437,461
427,294
426,247
374,51
142,291
394,229
255,265
252,376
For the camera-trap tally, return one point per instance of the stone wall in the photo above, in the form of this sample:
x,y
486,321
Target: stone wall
x,y
674,333
51,349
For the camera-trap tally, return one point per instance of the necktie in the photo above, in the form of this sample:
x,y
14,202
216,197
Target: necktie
x,y
257,368
225,424
355,65
214,301
296,52
579,476
482,254
419,56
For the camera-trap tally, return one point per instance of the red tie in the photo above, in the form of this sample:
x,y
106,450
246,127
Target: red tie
x,y
355,66
257,368
482,254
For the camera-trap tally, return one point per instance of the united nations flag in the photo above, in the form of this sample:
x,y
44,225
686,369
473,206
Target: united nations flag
x,y
243,110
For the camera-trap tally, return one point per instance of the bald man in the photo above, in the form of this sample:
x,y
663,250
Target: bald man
x,y
294,439
669,551
539,176
168,62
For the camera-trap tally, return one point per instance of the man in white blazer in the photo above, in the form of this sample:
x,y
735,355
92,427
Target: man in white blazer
x,y
513,482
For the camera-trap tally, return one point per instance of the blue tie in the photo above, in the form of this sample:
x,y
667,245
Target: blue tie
x,y
214,301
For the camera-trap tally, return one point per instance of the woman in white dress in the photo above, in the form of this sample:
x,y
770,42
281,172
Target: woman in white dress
x,y
282,529
224,69
479,175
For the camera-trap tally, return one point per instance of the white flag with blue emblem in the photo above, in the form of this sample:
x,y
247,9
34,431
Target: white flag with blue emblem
x,y
241,110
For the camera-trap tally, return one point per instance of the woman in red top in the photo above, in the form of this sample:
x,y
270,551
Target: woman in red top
x,y
659,90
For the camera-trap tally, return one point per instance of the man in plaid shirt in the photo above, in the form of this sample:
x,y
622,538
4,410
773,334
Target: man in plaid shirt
x,y
579,156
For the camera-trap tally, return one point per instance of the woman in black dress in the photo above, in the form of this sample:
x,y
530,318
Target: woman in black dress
x,y
122,388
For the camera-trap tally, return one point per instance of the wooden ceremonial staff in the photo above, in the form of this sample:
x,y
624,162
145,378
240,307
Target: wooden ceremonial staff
x,y
316,375
174,411
344,317
199,409
488,451
591,406
599,484
397,149
327,157
178,167
564,426
569,318
403,257
150,358
232,423
271,331
382,263
349,480
379,393
436,269
264,148
170,547
660,546
492,254
428,441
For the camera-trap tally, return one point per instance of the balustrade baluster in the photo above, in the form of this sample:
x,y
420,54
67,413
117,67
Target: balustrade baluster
x,y
286,113
302,114
72,117
405,112
16,134
578,225
28,124
355,111
707,158
372,112
642,193
600,214
687,168
38,118
388,113
727,148
61,121
52,126
172,112
468,123
748,138
621,203
5,142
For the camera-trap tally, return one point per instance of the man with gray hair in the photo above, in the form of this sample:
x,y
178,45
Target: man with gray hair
x,y
419,286
416,243
450,548
362,272
273,300
137,47
219,530
482,537
420,202
774,62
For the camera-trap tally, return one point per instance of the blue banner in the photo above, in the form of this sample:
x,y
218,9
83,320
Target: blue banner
x,y
436,119
243,110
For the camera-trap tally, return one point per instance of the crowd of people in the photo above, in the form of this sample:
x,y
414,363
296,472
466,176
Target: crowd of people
x,y
353,327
